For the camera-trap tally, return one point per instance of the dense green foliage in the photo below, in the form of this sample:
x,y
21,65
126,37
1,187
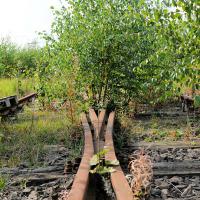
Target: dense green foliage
x,y
108,51
16,61
120,50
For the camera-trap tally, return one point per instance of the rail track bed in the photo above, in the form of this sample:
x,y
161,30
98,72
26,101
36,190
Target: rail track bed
x,y
176,168
72,180
45,182
176,172
58,179
176,165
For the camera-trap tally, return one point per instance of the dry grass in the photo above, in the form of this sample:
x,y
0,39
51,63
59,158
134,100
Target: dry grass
x,y
141,170
64,195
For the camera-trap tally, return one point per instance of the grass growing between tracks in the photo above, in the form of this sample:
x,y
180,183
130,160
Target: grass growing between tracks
x,y
24,140
3,181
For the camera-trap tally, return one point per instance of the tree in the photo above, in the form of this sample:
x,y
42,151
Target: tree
x,y
122,49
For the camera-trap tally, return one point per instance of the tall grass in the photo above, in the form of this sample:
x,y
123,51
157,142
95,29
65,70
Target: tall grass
x,y
26,138
10,87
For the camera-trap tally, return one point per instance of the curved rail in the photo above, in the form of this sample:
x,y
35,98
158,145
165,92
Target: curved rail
x,y
103,135
120,185
97,122
98,125
81,181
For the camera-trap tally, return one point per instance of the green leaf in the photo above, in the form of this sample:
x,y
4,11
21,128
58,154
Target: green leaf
x,y
102,170
112,162
102,153
94,160
197,101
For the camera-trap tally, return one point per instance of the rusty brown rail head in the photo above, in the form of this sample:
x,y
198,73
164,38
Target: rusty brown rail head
x,y
120,185
81,181
98,125
97,122
27,98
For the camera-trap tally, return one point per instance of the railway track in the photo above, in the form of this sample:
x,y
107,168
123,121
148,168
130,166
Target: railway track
x,y
98,135
176,167
10,106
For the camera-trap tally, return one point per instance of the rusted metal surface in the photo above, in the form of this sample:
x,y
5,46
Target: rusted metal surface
x,y
81,181
80,188
7,102
94,121
97,121
120,185
27,98
11,105
98,125
101,119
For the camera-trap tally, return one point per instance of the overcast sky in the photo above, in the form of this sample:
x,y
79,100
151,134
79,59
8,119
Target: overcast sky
x,y
22,19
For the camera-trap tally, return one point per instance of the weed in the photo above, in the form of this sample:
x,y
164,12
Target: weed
x,y
3,181
197,101
188,129
130,127
148,139
23,184
100,166
163,134
154,122
176,134
179,133
141,169
13,161
154,131
24,140
172,133
193,143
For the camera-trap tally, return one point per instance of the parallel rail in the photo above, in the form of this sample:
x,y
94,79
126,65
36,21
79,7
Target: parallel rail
x,y
101,138
81,181
27,98
120,185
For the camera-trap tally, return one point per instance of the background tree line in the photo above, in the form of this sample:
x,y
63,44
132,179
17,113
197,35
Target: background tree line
x,y
17,61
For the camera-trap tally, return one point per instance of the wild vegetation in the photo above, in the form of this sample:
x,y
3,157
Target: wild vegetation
x,y
122,50
141,169
104,54
112,52
26,139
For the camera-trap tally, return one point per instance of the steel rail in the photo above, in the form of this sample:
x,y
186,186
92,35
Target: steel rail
x,y
81,181
120,185
98,125
80,188
27,98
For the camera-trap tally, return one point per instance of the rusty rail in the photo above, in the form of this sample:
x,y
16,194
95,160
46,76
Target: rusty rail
x,y
98,126
102,134
81,181
11,105
27,98
120,185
